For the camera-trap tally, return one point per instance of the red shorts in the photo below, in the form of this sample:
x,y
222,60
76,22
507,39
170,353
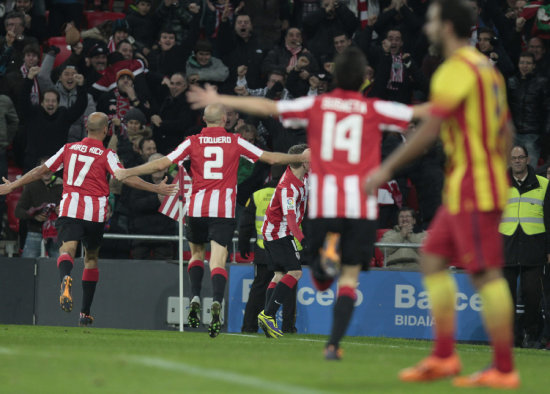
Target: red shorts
x,y
470,240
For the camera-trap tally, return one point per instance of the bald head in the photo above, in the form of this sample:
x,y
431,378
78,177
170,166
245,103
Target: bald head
x,y
97,123
214,115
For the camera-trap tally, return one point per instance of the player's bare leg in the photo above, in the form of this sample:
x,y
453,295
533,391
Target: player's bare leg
x,y
196,272
90,277
65,263
343,310
498,315
441,288
218,257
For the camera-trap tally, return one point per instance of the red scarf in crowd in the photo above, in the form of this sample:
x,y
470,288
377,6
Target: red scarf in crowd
x,y
35,91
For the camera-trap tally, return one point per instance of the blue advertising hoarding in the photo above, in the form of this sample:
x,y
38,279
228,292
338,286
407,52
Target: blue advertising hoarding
x,y
389,303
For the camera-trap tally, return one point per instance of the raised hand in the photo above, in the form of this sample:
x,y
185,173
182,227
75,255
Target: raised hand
x,y
201,97
167,189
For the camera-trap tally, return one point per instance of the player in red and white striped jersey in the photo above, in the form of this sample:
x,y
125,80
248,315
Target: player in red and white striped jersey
x,y
214,155
86,166
344,135
281,225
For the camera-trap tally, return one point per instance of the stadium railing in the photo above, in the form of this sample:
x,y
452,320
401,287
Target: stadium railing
x,y
175,238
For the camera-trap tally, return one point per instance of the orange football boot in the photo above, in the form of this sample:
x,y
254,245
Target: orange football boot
x,y
432,368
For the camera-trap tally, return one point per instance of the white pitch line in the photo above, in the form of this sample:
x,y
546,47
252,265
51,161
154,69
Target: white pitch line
x,y
225,376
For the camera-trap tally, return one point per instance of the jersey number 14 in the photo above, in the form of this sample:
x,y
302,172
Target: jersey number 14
x,y
342,135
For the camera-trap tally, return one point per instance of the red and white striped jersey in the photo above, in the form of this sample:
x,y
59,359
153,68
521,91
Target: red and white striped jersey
x,y
214,155
344,135
170,206
85,167
290,195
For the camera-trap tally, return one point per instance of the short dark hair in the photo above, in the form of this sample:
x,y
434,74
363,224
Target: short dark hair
x,y
522,147
276,71
125,41
459,13
296,150
349,69
13,15
528,54
142,141
487,30
51,90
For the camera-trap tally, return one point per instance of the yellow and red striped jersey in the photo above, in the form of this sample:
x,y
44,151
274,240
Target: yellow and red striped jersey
x,y
470,94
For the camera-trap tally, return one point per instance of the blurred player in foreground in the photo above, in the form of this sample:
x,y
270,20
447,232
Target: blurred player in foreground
x,y
470,114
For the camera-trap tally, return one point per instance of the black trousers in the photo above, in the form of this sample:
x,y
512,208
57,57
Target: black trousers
x,y
256,302
530,287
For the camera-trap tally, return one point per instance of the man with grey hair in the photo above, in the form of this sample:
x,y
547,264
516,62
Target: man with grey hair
x,y
214,155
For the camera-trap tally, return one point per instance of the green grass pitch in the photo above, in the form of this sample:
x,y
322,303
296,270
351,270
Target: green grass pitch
x,y
38,359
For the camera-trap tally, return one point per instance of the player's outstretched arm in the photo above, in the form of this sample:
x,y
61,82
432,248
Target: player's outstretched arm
x,y
162,188
284,158
33,175
414,147
144,169
258,106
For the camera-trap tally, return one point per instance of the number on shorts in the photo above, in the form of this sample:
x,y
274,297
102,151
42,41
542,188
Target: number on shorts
x,y
342,135
87,160
215,164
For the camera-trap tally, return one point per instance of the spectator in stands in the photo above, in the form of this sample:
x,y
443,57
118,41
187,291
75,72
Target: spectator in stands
x,y
125,49
285,57
174,118
525,223
403,232
8,126
15,22
179,16
298,81
146,148
537,47
39,207
529,100
341,40
143,26
66,86
489,45
249,133
233,120
269,17
203,64
95,63
118,101
120,32
170,57
217,12
399,15
239,47
397,74
47,125
15,79
321,25
6,50
274,89
35,22
129,132
146,219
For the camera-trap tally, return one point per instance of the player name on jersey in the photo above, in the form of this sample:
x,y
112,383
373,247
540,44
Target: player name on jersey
x,y
215,140
87,149
337,104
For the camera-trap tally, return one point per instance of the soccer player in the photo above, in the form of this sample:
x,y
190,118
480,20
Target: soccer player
x,y
470,114
214,155
281,225
83,208
343,130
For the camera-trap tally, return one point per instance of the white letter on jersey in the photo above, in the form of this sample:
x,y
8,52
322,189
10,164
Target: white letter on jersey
x,y
342,135
87,160
214,164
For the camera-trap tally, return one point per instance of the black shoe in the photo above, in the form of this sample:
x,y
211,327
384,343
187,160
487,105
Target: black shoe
x,y
65,297
194,319
333,352
85,320
215,325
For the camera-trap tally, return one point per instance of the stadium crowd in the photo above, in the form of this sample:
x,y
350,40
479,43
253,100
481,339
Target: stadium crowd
x,y
137,67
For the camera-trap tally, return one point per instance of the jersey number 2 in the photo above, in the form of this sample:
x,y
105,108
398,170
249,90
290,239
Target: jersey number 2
x,y
216,153
87,160
345,135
